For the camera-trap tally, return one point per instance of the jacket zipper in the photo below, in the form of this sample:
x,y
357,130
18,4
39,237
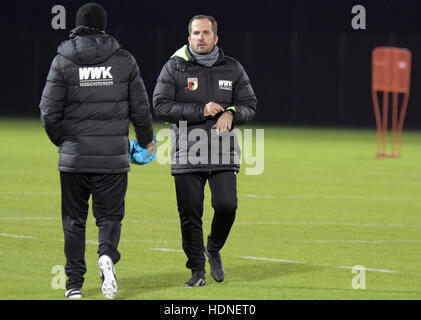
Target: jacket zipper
x,y
209,98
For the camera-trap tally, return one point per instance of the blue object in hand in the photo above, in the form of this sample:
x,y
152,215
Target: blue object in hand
x,y
139,155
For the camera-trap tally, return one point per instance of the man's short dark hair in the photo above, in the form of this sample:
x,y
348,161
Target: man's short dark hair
x,y
210,18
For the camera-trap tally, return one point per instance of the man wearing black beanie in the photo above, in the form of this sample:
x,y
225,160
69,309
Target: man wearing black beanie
x,y
93,90
92,15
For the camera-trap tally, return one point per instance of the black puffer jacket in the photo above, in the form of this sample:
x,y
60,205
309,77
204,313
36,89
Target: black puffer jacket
x,y
183,89
93,90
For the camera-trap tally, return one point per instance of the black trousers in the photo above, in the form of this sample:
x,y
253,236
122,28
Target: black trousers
x,y
190,196
108,193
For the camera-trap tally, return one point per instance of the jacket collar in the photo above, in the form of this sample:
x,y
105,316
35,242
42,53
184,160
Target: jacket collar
x,y
84,31
185,54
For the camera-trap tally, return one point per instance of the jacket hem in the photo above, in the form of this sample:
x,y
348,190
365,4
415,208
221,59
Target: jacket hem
x,y
77,170
214,169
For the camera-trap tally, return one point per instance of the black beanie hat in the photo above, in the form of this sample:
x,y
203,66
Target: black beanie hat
x,y
92,15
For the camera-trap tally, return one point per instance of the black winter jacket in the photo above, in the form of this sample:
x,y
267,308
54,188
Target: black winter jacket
x,y
93,90
183,89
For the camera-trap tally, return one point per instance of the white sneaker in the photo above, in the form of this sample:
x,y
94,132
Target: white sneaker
x,y
73,294
109,280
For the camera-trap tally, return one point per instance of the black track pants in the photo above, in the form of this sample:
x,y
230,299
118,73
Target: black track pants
x,y
190,196
108,193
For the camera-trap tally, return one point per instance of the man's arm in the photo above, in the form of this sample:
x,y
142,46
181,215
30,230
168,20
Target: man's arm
x,y
165,105
139,109
244,100
52,103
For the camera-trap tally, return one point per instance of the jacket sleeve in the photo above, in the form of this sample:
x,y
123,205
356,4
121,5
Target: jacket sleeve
x,y
139,108
164,100
52,103
244,99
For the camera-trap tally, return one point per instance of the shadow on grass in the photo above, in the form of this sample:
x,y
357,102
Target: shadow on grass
x,y
245,272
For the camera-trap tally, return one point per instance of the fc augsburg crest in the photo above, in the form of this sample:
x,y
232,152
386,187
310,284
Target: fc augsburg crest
x,y
192,83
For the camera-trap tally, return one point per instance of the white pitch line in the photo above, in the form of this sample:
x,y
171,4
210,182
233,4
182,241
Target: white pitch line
x,y
363,241
148,241
370,269
59,219
297,262
17,236
270,259
166,249
252,195
92,242
322,224
351,197
29,193
386,225
95,242
284,261
280,223
267,196
29,218
331,197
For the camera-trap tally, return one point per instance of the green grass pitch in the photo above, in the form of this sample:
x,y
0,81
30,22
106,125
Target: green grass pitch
x,y
324,204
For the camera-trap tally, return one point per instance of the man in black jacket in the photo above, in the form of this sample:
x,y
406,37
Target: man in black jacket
x,y
203,94
93,90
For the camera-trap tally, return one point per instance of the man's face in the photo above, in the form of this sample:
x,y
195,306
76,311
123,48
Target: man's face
x,y
202,39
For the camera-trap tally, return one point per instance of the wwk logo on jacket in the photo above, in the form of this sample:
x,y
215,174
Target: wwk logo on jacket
x,y
95,76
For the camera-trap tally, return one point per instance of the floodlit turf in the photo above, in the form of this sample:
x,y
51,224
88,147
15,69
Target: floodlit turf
x,y
324,204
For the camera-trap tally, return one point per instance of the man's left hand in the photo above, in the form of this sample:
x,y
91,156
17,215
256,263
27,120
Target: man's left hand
x,y
224,123
151,147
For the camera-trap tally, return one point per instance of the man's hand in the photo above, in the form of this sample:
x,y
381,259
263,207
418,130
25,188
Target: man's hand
x,y
224,123
151,147
212,109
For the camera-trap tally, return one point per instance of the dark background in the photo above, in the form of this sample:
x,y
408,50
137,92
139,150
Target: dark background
x,y
306,63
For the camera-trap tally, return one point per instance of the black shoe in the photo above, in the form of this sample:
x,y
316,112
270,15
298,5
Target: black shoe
x,y
197,279
216,267
73,293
